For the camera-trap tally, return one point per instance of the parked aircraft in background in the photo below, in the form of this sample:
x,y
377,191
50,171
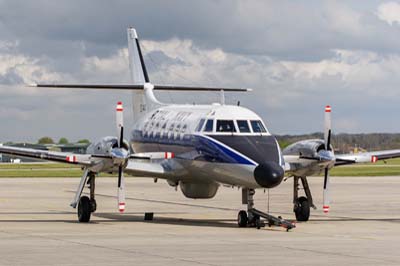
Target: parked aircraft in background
x,y
198,148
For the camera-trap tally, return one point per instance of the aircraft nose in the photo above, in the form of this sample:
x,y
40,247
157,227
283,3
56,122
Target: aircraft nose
x,y
269,174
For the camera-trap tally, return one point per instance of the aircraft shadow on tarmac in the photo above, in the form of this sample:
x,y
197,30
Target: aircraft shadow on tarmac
x,y
138,217
356,219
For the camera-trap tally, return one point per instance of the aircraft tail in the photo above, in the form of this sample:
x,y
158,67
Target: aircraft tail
x,y
143,100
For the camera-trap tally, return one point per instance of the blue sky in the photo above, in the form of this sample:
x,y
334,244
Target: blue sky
x,y
298,56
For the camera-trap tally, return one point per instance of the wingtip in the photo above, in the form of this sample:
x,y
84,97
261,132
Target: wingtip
x,y
32,85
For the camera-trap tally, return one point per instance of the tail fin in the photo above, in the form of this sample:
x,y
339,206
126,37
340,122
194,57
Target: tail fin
x,y
139,76
136,63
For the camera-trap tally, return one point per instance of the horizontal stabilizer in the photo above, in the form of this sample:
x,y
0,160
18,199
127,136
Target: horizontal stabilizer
x,y
138,87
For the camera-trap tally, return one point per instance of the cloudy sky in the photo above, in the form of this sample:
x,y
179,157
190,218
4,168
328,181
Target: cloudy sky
x,y
298,56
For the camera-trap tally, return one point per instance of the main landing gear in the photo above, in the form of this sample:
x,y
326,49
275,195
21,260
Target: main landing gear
x,y
86,205
252,218
301,205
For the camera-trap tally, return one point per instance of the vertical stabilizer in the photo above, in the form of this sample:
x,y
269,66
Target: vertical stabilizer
x,y
136,63
143,101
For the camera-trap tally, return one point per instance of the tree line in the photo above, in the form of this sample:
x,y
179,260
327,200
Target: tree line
x,y
62,141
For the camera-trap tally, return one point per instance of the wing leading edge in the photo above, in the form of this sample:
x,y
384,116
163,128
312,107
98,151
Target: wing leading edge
x,y
366,157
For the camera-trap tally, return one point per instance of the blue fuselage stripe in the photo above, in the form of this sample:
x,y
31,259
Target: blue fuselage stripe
x,y
190,146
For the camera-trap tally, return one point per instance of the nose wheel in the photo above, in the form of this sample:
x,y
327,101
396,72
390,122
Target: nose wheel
x,y
242,219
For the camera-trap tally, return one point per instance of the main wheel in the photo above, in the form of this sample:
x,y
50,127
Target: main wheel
x,y
84,209
302,209
93,205
242,218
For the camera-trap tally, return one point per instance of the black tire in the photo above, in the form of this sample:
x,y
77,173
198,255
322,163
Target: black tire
x,y
242,218
258,223
149,216
84,209
93,205
302,210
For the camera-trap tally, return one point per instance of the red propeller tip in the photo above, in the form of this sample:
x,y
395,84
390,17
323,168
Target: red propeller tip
x,y
121,207
326,209
119,107
328,109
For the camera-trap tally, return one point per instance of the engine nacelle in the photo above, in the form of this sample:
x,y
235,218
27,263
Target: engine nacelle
x,y
104,147
199,190
309,149
305,148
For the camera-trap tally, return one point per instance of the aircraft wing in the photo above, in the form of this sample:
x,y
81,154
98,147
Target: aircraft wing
x,y
139,165
63,157
145,168
366,157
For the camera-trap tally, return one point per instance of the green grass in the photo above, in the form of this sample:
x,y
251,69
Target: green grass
x,y
37,166
42,170
365,171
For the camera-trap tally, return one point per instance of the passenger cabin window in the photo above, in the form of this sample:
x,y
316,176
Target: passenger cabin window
x,y
257,126
225,126
183,130
200,125
243,126
209,126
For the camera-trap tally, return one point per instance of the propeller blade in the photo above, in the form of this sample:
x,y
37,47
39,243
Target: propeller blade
x,y
325,207
327,129
120,124
121,190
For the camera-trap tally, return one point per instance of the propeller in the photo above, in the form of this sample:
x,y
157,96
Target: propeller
x,y
121,179
327,138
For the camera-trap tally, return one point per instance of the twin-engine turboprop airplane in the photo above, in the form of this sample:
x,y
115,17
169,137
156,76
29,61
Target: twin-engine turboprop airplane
x,y
199,147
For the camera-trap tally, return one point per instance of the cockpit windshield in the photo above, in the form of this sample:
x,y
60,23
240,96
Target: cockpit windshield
x,y
200,125
209,126
243,126
232,126
257,126
225,126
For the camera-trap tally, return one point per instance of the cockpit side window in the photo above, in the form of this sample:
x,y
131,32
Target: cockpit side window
x,y
209,126
243,126
257,126
225,126
200,125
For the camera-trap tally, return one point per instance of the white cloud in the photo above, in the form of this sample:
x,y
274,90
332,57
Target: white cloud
x,y
107,69
389,12
26,68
